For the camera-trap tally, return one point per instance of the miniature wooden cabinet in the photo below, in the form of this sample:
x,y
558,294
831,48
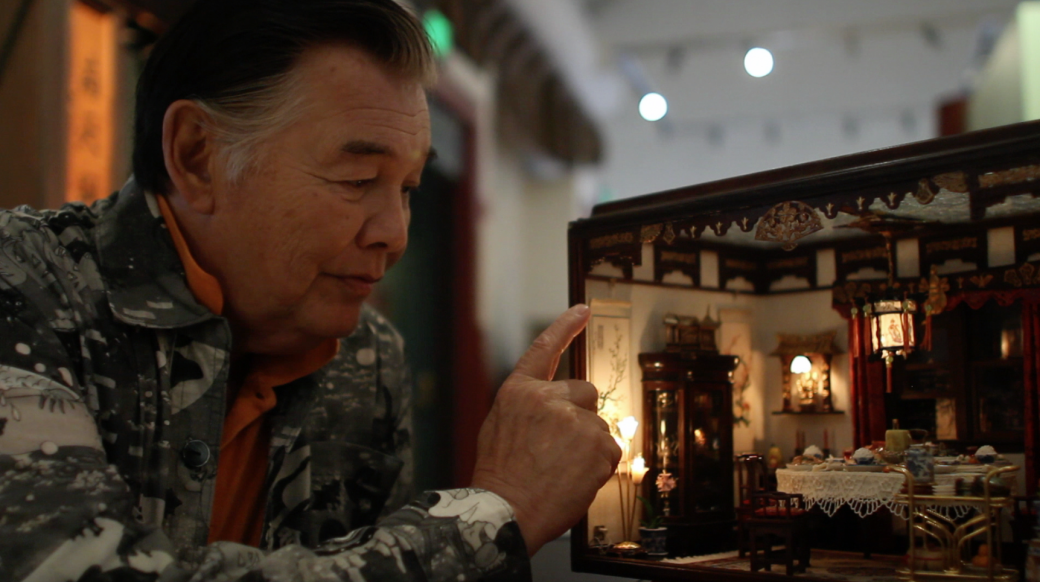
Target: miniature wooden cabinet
x,y
688,420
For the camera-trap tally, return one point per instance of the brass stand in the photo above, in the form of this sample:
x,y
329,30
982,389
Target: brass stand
x,y
954,539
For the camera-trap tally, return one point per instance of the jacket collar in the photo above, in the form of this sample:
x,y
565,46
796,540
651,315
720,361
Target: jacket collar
x,y
143,274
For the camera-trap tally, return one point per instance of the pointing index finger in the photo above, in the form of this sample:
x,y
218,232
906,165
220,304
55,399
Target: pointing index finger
x,y
541,358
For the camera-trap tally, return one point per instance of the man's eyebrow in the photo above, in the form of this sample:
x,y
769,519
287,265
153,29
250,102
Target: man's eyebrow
x,y
361,147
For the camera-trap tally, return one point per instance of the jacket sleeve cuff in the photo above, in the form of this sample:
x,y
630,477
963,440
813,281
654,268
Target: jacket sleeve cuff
x,y
473,524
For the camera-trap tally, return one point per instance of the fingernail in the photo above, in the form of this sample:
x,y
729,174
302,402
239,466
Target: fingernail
x,y
580,309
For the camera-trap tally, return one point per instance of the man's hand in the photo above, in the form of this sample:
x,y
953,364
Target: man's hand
x,y
543,448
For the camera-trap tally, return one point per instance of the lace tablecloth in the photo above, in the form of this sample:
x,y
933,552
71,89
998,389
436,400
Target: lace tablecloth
x,y
864,493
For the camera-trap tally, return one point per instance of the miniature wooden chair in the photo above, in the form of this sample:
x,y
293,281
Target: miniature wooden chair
x,y
778,517
751,479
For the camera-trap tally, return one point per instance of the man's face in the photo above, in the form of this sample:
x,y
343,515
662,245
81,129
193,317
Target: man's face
x,y
305,236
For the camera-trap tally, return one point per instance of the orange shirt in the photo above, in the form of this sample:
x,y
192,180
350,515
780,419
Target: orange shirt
x,y
239,500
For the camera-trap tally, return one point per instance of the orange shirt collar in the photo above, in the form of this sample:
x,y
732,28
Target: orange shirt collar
x,y
257,395
204,286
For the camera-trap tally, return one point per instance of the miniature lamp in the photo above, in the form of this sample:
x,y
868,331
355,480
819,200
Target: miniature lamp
x,y
801,365
628,488
892,327
806,382
891,318
628,427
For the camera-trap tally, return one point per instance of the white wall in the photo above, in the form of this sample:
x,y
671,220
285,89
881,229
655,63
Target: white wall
x,y
1028,18
522,226
1008,88
501,232
998,97
548,206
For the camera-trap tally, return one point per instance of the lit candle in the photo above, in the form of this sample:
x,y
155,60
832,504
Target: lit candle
x,y
639,469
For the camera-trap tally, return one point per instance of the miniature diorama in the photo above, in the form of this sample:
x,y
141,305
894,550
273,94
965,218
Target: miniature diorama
x,y
758,341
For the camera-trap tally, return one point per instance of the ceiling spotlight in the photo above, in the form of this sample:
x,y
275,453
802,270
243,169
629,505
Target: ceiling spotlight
x,y
758,62
653,106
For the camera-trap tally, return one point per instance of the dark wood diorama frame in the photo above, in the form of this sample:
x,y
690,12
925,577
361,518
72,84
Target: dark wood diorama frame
x,y
988,166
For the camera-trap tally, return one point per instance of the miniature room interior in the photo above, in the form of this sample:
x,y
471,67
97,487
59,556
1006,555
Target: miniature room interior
x,y
836,348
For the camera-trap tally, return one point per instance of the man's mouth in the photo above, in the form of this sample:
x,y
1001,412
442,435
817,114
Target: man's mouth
x,y
360,284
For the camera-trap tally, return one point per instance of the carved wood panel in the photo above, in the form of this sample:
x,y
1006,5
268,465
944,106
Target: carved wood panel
x,y
968,247
683,255
851,257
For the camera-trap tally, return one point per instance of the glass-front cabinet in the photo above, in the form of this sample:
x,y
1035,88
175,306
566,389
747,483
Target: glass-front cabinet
x,y
688,436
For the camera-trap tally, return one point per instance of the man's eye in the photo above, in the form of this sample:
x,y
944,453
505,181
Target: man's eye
x,y
358,183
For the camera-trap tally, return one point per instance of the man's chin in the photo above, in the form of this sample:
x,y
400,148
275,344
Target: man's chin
x,y
338,324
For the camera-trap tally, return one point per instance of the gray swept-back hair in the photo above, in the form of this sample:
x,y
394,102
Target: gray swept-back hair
x,y
236,59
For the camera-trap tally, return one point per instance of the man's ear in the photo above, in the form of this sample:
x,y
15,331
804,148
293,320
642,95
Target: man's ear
x,y
188,150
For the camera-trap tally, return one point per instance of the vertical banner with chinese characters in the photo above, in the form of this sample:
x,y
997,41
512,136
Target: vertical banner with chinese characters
x,y
91,103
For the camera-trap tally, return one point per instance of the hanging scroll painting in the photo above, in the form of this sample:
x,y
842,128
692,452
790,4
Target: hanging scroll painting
x,y
735,340
609,345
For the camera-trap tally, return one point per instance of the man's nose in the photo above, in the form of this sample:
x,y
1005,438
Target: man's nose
x,y
386,224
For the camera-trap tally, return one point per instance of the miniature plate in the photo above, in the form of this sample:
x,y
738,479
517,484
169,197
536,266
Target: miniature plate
x,y
972,468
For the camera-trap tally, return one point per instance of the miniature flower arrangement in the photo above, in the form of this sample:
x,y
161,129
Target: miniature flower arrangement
x,y
665,484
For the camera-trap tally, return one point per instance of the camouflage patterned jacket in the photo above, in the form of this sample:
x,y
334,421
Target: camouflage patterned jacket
x,y
112,395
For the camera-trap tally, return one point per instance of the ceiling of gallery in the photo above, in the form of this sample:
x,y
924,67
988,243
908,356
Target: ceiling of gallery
x,y
612,46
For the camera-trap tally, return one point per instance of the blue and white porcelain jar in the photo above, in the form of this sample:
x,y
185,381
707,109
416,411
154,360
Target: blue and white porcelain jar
x,y
920,463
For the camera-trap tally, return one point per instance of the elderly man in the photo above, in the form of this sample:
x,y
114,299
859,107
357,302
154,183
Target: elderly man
x,y
174,401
